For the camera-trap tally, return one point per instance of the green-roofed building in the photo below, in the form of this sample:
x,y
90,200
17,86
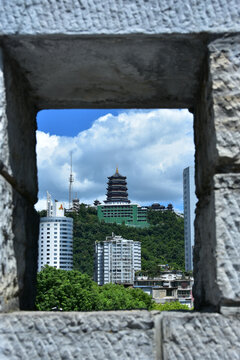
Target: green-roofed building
x,y
117,208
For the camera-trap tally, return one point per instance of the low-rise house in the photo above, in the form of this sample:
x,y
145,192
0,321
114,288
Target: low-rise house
x,y
167,287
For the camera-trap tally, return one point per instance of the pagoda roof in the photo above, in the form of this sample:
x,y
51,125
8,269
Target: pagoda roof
x,y
116,175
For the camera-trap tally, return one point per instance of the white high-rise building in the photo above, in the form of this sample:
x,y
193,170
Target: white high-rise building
x,y
116,260
189,201
55,244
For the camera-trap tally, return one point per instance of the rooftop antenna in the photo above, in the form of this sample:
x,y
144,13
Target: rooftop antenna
x,y
48,204
70,183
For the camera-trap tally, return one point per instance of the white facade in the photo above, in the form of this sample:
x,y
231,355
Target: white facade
x,y
116,260
189,201
55,245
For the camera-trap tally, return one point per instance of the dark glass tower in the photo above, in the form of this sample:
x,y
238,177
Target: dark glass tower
x,y
117,189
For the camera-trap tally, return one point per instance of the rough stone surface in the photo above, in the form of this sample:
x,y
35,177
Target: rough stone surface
x,y
227,213
110,335
25,228
198,336
225,76
217,113
21,118
217,247
8,268
110,72
119,335
18,219
217,226
4,151
118,16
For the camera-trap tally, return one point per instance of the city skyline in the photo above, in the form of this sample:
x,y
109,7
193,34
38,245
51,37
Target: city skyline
x,y
150,147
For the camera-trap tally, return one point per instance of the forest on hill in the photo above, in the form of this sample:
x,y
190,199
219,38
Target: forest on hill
x,y
162,242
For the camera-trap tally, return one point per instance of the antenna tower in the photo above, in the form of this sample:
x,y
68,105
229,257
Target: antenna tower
x,y
49,207
70,184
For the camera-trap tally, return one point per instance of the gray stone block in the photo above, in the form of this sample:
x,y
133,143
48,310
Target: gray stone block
x,y
18,219
8,268
217,113
198,336
117,71
217,247
21,120
18,243
8,265
4,146
205,289
118,17
227,220
94,336
25,228
224,59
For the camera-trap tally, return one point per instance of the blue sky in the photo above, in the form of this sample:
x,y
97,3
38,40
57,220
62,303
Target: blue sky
x,y
150,147
69,122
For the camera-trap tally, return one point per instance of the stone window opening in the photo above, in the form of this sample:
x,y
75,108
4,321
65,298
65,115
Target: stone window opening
x,y
189,128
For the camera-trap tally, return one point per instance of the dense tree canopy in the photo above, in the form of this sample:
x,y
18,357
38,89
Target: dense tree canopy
x,y
73,291
162,242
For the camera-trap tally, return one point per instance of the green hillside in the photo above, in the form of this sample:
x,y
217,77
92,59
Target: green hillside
x,y
162,242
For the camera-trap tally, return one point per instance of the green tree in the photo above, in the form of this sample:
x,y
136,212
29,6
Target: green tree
x,y
42,213
73,291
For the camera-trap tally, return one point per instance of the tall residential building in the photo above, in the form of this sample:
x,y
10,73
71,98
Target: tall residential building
x,y
116,260
189,201
55,244
117,208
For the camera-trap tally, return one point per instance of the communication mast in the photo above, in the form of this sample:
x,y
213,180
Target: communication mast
x,y
70,185
49,204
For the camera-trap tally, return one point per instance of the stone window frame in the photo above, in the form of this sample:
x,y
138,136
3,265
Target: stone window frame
x,y
216,112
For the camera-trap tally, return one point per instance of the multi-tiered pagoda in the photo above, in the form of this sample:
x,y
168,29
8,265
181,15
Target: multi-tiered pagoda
x,y
117,189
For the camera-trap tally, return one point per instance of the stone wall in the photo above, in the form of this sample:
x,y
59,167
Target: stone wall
x,y
217,250
119,335
122,54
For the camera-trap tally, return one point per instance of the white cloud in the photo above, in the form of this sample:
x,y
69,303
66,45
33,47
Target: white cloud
x,y
150,147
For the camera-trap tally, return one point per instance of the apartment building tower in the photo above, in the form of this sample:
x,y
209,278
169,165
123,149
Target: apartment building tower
x,y
116,260
189,202
55,245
